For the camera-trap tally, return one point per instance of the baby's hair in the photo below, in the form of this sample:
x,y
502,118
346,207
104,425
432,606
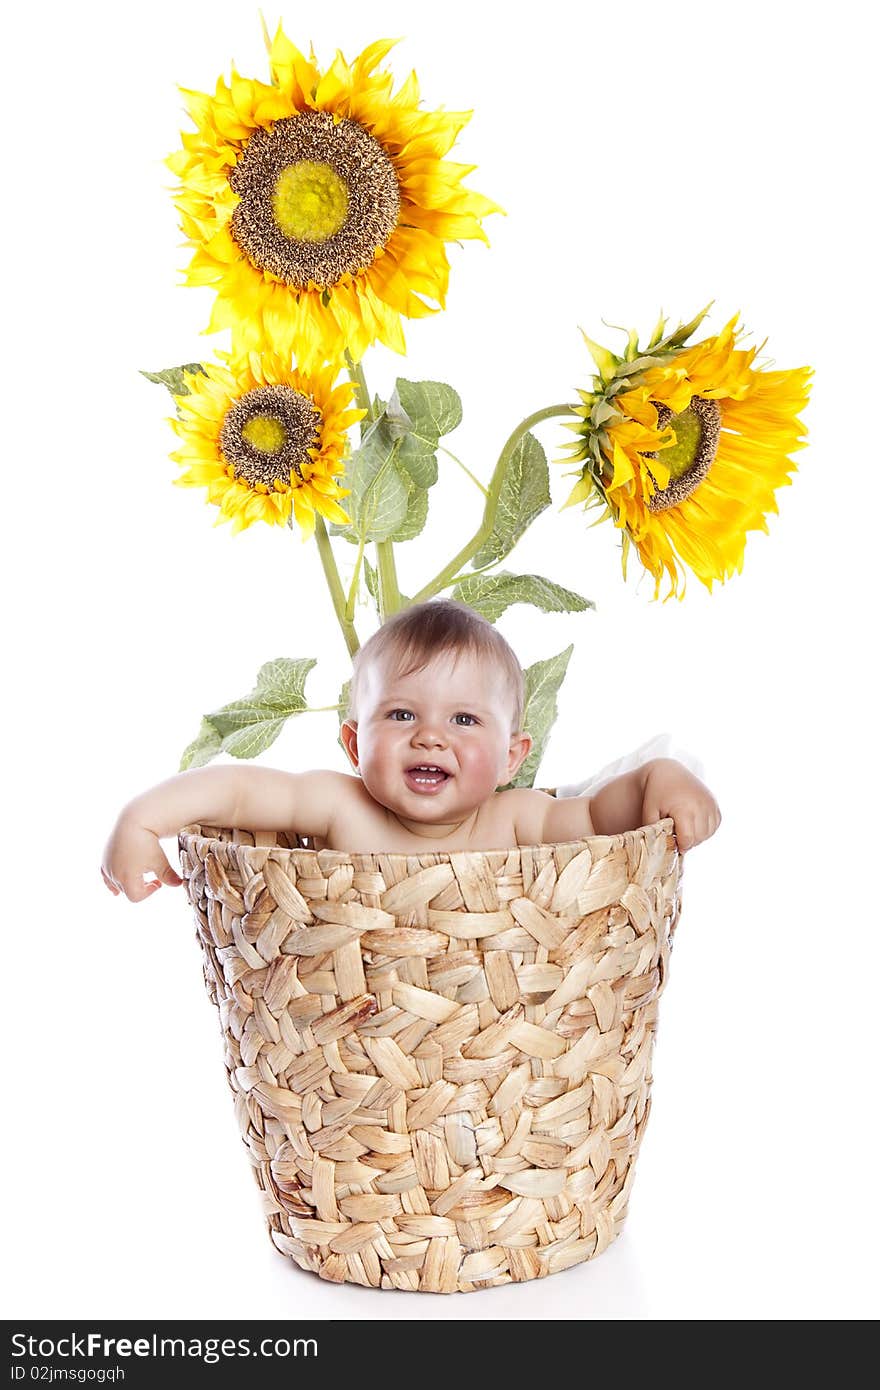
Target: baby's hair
x,y
415,636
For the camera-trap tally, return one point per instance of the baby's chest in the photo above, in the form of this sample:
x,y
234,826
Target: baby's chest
x,y
367,833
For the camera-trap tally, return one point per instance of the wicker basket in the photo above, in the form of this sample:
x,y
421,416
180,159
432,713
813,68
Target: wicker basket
x,y
441,1064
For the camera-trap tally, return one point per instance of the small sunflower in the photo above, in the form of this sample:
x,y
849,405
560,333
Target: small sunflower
x,y
319,205
265,439
685,446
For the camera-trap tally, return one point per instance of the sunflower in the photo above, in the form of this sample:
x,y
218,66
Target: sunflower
x,y
319,205
684,446
265,439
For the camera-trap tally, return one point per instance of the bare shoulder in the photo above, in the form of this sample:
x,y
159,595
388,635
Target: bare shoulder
x,y
334,790
325,779
525,809
540,818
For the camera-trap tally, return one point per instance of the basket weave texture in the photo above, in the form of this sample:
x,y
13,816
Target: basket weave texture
x,y
441,1064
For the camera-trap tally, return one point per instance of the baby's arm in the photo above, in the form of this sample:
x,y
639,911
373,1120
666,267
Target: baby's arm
x,y
259,798
661,787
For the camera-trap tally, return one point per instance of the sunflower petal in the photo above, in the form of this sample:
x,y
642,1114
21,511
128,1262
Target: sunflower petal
x,y
408,273
742,449
241,496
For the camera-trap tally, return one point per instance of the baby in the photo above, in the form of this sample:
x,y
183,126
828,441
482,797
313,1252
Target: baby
x,y
434,726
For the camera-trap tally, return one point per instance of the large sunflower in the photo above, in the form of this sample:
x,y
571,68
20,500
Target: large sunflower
x,y
265,439
320,205
685,446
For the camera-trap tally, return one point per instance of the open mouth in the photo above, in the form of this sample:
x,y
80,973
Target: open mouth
x,y
426,777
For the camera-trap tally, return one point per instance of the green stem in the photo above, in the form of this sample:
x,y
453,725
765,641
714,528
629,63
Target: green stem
x,y
356,372
334,584
389,593
480,569
473,478
451,571
319,709
355,582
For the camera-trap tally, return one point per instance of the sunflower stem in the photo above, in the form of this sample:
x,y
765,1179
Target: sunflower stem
x,y
389,593
334,584
356,373
355,582
480,569
475,480
450,573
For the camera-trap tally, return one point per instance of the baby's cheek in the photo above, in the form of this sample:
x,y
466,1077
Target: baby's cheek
x,y
482,767
373,768
379,769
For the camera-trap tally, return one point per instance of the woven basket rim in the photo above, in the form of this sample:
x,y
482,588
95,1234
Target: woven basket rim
x,y
193,834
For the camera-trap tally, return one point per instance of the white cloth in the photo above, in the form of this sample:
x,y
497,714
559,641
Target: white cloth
x,y
660,746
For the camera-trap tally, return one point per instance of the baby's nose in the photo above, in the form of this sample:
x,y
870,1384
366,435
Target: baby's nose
x,y
428,736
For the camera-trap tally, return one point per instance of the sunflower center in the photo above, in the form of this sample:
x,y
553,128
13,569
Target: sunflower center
x,y
318,199
310,202
266,436
266,433
697,432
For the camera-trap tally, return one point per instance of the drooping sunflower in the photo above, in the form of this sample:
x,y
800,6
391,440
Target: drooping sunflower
x,y
319,205
265,439
684,446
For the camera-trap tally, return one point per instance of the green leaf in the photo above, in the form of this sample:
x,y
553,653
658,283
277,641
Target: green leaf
x,y
416,513
542,686
336,528
342,701
379,497
525,493
627,370
342,713
172,377
418,413
433,407
205,746
372,580
421,467
491,594
396,419
253,738
602,412
684,330
657,334
605,360
246,727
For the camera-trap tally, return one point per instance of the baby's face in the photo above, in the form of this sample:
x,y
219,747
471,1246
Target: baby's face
x,y
434,744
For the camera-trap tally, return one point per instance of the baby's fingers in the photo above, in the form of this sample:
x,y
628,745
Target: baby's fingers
x,y
686,836
691,830
707,824
114,889
137,891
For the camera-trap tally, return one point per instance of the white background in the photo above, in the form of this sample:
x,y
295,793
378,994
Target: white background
x,y
648,156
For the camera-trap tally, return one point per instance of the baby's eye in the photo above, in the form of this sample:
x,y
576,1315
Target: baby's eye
x,y
464,720
402,715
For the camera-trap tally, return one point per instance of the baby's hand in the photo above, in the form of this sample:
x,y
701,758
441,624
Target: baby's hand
x,y
131,852
670,790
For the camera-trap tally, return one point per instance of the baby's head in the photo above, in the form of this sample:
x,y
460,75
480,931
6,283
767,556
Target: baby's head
x,y
435,713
